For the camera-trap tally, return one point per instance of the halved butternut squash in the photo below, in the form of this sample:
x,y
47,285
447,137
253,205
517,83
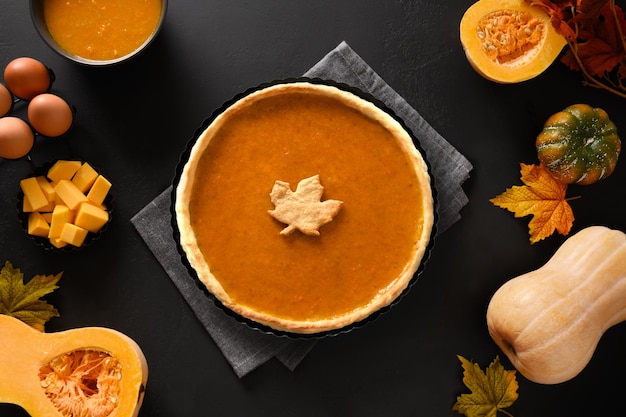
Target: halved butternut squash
x,y
509,41
85,372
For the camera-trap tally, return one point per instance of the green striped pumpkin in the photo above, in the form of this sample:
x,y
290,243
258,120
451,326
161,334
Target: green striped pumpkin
x,y
579,145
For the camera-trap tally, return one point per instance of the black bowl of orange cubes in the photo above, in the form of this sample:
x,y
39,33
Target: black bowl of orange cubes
x,y
65,205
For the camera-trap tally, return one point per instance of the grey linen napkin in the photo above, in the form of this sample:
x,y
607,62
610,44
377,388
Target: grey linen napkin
x,y
246,349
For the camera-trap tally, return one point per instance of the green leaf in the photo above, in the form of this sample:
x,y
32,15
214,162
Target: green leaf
x,y
23,300
491,391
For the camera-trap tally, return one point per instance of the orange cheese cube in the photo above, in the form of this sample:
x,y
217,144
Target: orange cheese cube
x,y
73,234
60,216
33,192
63,170
57,242
85,177
26,206
99,190
67,203
37,225
46,187
69,194
58,200
91,217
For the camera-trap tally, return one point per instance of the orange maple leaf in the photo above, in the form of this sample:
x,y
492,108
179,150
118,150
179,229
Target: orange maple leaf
x,y
542,197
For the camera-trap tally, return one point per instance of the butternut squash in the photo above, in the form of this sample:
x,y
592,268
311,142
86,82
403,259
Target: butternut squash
x,y
85,372
509,41
549,321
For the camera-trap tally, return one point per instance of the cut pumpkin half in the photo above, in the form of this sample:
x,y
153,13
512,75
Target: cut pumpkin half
x,y
509,41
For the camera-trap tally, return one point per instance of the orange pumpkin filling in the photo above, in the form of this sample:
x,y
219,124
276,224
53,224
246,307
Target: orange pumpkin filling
x,y
101,29
358,256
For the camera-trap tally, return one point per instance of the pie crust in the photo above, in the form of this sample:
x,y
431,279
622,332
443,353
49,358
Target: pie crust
x,y
360,262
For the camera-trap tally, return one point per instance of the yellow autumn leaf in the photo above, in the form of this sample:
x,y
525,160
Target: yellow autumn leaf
x,y
491,391
22,300
542,197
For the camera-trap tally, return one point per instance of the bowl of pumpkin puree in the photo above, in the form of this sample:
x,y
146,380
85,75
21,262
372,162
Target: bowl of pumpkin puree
x,y
98,32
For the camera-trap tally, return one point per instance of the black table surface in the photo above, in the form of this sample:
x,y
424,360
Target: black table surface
x,y
133,121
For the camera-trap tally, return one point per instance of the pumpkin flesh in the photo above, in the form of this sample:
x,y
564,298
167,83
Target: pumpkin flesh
x,y
47,373
94,374
509,41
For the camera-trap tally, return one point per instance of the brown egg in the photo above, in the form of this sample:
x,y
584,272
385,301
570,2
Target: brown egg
x,y
27,77
50,115
16,138
6,100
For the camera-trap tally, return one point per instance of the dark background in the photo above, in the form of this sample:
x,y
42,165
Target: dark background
x,y
133,121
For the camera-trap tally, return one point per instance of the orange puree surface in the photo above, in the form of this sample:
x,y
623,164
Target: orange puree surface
x,y
101,29
358,254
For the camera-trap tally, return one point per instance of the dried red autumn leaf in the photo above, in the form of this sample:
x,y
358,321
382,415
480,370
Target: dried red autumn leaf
x,y
621,72
599,46
597,55
589,9
542,197
559,16
595,32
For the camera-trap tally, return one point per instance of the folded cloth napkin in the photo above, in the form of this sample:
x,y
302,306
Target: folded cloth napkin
x,y
244,348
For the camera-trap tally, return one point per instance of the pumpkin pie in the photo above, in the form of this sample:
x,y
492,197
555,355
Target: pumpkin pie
x,y
304,207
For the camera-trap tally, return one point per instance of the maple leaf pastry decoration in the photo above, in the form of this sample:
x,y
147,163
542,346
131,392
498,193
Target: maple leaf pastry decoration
x,y
302,209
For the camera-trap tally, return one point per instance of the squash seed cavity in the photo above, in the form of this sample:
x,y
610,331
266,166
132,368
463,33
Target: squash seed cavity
x,y
508,35
82,383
